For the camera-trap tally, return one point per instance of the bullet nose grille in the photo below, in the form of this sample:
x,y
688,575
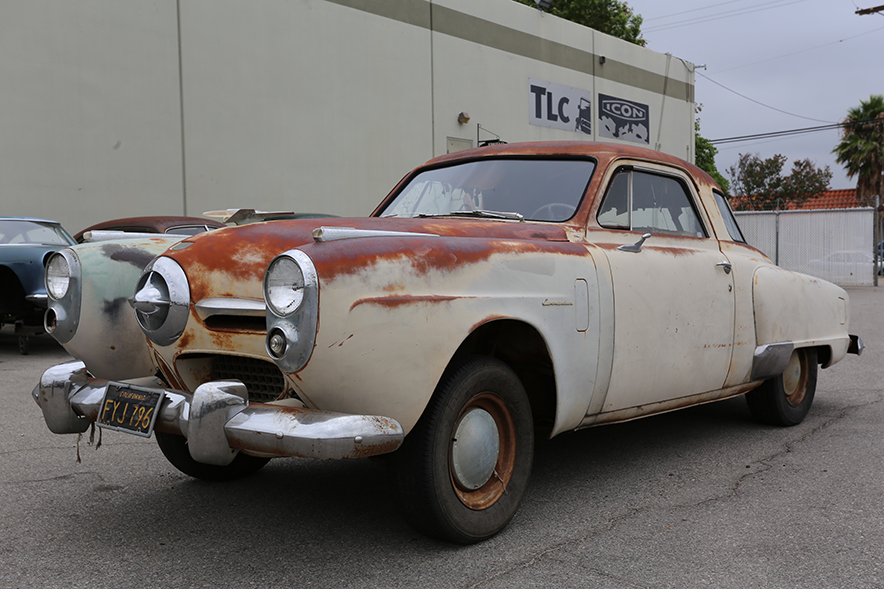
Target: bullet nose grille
x,y
263,379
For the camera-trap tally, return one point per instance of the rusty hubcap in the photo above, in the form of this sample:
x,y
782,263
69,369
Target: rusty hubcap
x,y
482,452
795,378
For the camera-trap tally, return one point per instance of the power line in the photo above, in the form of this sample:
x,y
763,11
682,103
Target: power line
x,y
799,51
759,103
721,15
691,10
755,136
790,132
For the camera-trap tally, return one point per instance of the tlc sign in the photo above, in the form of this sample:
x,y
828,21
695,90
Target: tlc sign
x,y
559,107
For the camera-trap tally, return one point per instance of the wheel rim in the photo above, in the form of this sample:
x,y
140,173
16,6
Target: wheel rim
x,y
474,449
795,378
481,466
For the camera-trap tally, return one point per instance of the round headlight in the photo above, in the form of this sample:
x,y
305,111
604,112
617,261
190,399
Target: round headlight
x,y
284,286
58,276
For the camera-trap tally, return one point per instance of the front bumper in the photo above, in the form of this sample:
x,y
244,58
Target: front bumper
x,y
218,420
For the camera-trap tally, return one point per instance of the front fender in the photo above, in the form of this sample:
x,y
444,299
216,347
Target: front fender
x,y
94,322
388,331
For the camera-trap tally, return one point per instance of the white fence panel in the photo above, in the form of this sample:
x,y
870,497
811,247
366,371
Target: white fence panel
x,y
835,245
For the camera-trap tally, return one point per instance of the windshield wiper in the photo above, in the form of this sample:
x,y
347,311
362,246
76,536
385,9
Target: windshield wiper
x,y
489,214
476,213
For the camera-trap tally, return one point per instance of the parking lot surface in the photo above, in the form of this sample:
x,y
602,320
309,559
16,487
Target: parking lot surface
x,y
695,498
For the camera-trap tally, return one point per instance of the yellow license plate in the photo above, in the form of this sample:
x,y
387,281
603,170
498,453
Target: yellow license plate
x,y
129,409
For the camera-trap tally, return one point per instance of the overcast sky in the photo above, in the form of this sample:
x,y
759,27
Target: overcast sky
x,y
773,65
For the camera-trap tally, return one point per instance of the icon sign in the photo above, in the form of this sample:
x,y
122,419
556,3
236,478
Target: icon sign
x,y
623,119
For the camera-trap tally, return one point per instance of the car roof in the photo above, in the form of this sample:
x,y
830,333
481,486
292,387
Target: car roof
x,y
159,222
32,219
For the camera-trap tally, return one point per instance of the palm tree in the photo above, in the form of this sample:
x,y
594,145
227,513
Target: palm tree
x,y
861,149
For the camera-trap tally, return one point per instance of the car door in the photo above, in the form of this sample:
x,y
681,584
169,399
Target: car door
x,y
672,290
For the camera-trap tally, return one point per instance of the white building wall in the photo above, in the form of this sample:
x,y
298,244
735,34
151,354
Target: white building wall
x,y
90,120
183,106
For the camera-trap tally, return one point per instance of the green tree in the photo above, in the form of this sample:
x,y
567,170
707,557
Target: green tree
x,y
704,155
759,184
613,17
861,149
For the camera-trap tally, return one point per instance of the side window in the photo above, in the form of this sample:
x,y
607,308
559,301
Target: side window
x,y
730,221
647,202
614,212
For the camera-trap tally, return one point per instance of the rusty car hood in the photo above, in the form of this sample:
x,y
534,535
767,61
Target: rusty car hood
x,y
231,262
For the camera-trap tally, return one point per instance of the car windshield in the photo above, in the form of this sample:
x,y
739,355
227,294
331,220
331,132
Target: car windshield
x,y
531,189
21,231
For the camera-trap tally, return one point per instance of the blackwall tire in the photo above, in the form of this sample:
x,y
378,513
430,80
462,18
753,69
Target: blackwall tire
x,y
786,399
175,450
464,468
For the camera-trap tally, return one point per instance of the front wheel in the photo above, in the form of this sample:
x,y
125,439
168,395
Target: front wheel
x,y
464,468
175,450
786,399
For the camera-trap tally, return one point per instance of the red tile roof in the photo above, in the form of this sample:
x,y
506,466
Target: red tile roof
x,y
844,198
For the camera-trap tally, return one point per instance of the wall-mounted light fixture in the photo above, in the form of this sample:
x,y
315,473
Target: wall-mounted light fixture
x,y
543,4
463,118
602,60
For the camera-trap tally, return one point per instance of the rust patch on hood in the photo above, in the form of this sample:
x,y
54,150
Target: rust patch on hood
x,y
231,262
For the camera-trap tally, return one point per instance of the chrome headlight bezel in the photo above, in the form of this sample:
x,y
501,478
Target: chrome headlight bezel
x,y
62,318
292,300
162,301
57,276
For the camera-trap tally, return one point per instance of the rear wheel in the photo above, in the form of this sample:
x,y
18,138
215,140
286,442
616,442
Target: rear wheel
x,y
786,399
175,450
464,468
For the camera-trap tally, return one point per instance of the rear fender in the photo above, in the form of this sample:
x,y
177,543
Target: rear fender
x,y
796,309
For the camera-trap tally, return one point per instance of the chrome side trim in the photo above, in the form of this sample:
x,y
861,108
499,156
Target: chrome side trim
x,y
237,307
321,234
217,421
771,360
108,235
40,299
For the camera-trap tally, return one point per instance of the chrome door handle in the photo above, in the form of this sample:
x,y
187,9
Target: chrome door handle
x,y
726,265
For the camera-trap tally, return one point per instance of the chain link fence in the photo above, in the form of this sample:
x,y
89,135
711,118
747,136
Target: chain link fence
x,y
835,245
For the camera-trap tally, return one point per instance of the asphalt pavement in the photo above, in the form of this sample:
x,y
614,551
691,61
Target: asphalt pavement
x,y
703,497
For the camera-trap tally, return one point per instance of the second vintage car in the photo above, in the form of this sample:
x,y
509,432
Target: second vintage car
x,y
25,246
496,295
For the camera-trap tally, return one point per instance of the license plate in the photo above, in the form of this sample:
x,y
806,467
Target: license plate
x,y
129,409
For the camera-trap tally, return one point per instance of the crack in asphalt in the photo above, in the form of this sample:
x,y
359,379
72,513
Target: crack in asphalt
x,y
614,522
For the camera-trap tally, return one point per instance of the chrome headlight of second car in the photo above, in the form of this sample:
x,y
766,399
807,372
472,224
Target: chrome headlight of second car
x,y
162,301
63,277
291,291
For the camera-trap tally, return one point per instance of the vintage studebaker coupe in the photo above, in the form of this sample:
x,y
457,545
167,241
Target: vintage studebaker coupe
x,y
495,295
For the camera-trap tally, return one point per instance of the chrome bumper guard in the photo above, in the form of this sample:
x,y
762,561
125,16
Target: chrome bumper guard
x,y
218,421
